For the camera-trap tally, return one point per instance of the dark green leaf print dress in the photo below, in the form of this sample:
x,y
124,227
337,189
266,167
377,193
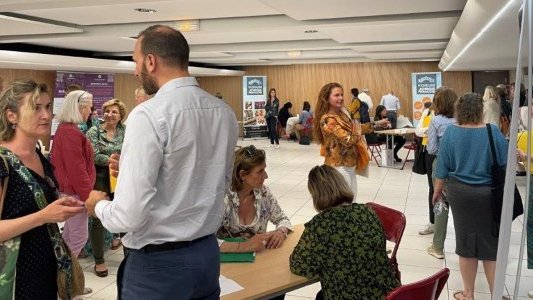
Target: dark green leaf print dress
x,y
344,247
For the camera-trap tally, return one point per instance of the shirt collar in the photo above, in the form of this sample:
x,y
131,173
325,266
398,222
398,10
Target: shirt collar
x,y
234,196
177,83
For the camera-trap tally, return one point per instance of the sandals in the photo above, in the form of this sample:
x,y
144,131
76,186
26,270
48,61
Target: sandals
x,y
87,291
117,245
101,273
460,295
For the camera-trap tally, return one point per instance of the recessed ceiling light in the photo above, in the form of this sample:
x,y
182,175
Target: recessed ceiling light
x,y
311,31
146,10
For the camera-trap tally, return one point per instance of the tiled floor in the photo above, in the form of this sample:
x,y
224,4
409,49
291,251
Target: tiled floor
x,y
403,190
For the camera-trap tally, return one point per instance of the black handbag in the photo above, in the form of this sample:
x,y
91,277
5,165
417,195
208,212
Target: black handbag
x,y
498,183
419,164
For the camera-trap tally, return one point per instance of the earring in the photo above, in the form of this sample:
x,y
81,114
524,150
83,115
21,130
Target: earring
x,y
242,181
13,126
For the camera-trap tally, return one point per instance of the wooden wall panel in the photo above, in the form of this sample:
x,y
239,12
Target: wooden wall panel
x,y
125,85
298,83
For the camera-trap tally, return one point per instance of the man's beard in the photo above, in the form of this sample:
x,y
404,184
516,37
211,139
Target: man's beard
x,y
148,82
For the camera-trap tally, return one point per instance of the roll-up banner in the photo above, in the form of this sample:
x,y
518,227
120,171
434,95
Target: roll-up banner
x,y
424,87
254,91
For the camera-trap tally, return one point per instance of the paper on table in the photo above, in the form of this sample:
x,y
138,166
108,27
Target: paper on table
x,y
228,286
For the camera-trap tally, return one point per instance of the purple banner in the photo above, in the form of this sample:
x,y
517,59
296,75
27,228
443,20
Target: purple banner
x,y
101,85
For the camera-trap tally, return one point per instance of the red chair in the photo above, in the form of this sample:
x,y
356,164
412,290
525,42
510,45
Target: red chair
x,y
426,289
374,146
393,223
411,147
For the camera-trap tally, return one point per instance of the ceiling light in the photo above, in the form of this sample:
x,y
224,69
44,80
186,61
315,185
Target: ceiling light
x,y
294,53
498,15
146,10
187,25
311,31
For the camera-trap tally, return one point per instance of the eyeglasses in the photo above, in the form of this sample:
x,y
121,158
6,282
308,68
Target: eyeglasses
x,y
79,98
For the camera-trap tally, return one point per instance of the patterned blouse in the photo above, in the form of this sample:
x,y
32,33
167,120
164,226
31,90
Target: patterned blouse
x,y
103,147
267,209
344,247
341,134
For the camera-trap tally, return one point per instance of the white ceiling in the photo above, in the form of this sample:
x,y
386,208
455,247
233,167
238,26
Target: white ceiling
x,y
261,32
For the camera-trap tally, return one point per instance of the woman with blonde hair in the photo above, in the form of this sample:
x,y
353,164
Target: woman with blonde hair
x,y
107,139
491,106
73,160
339,135
249,205
344,246
31,207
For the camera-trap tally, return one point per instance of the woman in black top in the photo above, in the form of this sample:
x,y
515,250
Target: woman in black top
x,y
25,109
381,114
285,114
272,110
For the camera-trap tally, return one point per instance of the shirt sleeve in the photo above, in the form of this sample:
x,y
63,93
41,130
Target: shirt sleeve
x,y
331,126
277,216
305,259
432,146
140,162
76,167
443,166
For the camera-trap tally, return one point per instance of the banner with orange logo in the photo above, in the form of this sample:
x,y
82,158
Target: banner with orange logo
x,y
424,87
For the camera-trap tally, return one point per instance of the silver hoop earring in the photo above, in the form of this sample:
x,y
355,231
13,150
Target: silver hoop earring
x,y
14,126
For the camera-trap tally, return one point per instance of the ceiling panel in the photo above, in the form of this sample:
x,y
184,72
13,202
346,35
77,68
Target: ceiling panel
x,y
208,54
409,54
17,26
412,30
102,44
112,13
399,46
320,9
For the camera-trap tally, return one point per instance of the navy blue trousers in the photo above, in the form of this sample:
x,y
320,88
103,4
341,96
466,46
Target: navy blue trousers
x,y
186,273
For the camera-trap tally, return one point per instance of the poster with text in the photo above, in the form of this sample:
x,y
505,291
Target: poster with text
x,y
424,87
254,90
100,85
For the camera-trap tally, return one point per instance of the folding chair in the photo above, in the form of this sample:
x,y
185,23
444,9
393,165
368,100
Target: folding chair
x,y
393,223
426,289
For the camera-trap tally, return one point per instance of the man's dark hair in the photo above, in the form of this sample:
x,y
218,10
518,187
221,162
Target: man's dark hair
x,y
307,106
355,92
167,43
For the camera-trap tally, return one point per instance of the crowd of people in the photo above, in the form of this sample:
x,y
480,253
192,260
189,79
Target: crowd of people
x,y
185,187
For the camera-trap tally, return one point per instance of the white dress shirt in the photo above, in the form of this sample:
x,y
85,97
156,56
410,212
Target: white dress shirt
x,y
366,99
175,167
391,102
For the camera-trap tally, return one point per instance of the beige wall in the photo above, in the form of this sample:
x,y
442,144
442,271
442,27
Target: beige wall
x,y
298,83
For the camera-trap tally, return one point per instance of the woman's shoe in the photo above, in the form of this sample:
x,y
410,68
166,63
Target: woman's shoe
x,y
397,159
460,295
115,244
103,273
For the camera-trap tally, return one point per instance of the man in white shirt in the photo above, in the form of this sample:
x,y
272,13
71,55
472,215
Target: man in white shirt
x,y
392,105
175,167
363,96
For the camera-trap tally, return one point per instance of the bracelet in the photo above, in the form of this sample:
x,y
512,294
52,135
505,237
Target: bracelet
x,y
283,230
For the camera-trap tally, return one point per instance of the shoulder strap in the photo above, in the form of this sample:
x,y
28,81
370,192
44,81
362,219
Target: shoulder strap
x,y
492,148
4,186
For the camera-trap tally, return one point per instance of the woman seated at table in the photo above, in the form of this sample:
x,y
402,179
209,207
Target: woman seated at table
x,y
344,245
381,123
249,205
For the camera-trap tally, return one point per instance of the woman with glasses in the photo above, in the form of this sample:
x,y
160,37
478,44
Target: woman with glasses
x,y
249,205
344,245
337,133
106,139
73,160
25,117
